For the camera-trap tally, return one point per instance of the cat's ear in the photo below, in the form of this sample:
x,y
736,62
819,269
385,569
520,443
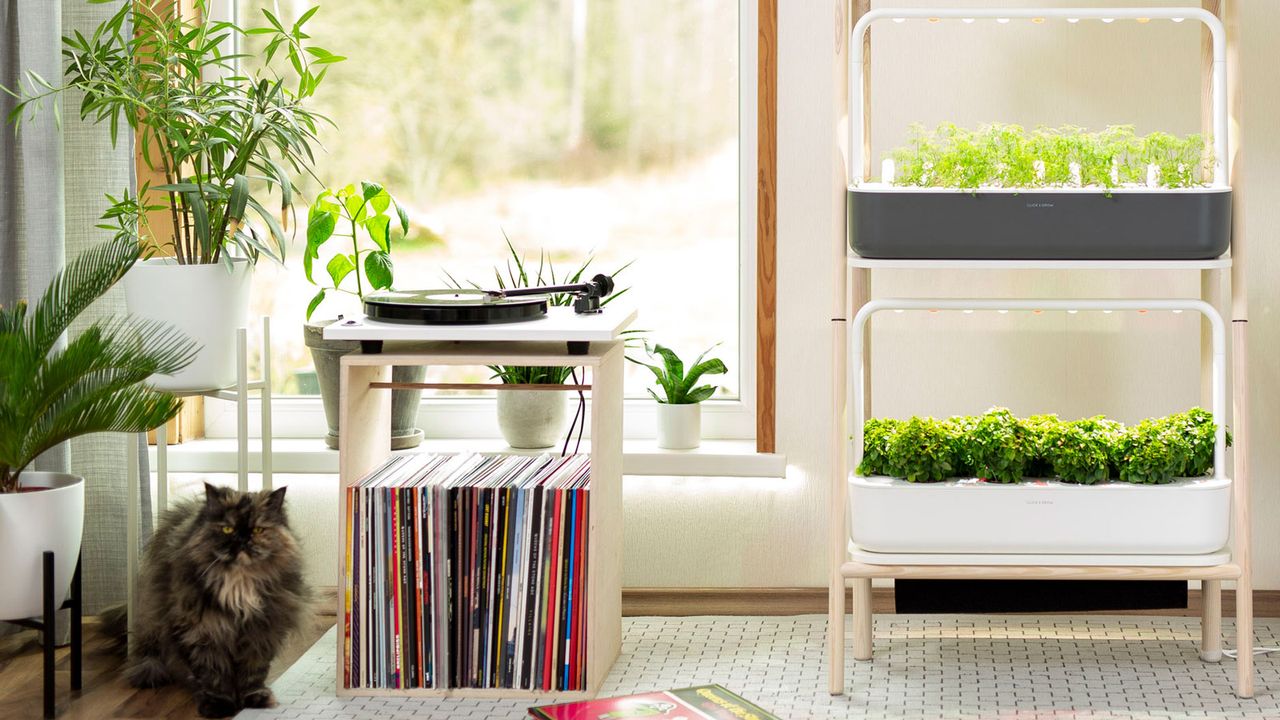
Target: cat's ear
x,y
275,502
215,497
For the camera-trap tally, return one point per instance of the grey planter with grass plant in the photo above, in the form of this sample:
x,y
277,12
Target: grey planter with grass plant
x,y
1002,193
680,404
363,221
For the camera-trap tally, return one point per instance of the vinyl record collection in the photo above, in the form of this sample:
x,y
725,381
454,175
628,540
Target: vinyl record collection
x,y
467,571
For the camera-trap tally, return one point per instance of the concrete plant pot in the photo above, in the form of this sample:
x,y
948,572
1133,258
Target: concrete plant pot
x,y
532,419
327,354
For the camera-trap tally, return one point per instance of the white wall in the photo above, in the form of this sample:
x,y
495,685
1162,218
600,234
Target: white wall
x,y
698,532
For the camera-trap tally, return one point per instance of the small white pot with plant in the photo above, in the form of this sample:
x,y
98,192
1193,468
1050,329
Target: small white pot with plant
x,y
680,404
48,395
226,140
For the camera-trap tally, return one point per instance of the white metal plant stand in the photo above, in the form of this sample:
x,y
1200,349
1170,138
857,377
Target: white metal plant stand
x,y
240,393
852,301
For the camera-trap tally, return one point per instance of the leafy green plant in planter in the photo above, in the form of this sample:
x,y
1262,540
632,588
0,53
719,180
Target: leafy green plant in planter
x,y
363,222
364,218
97,382
877,439
923,450
211,130
999,447
1080,451
1085,451
1008,156
680,387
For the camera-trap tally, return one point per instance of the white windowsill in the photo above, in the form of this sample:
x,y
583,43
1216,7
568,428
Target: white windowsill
x,y
716,458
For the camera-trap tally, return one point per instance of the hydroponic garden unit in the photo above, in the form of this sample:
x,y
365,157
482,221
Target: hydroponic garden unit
x,y
1022,527
1119,216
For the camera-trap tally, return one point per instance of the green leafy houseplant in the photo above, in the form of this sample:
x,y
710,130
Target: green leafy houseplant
x,y
1008,156
352,213
97,382
999,447
212,131
520,273
680,387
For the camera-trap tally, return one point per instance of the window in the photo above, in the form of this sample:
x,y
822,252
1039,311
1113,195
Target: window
x,y
583,127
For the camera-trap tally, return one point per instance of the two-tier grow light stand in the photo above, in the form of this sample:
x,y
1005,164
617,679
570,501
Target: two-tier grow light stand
x,y
852,300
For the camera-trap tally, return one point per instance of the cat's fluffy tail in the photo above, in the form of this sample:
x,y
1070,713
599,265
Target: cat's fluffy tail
x,y
114,626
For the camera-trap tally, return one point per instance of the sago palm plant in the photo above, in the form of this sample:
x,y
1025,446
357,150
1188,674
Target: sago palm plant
x,y
96,383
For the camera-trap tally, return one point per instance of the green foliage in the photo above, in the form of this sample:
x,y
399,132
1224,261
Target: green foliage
x,y
1157,450
1009,156
1038,428
96,383
1080,451
371,215
678,386
998,447
922,450
520,273
213,132
877,438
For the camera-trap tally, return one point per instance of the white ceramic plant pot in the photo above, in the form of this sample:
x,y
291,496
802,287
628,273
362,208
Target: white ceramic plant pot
x,y
32,522
532,419
679,426
207,302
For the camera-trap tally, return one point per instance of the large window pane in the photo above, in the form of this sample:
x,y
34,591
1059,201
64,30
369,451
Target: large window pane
x,y
575,126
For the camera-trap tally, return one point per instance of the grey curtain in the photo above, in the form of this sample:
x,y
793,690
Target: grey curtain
x,y
52,193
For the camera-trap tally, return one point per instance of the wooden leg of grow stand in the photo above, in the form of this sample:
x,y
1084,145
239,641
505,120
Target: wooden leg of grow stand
x,y
1211,620
835,635
862,619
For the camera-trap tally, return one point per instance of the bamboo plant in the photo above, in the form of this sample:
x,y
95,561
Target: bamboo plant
x,y
224,140
97,381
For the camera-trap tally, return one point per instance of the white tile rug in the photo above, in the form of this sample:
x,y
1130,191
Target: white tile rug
x,y
954,667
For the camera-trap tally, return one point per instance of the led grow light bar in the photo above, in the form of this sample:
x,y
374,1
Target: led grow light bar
x,y
857,333
857,68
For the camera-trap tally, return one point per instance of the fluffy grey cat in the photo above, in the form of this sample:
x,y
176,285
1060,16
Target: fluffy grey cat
x,y
221,590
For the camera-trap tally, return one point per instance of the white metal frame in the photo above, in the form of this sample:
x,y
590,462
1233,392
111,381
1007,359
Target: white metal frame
x,y
863,317
860,133
300,417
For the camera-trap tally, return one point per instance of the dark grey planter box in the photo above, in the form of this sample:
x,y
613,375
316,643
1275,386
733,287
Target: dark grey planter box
x,y
1127,224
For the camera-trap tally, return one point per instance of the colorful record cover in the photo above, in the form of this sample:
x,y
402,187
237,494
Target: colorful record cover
x,y
706,702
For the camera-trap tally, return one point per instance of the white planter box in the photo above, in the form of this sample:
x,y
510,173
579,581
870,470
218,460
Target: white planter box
x,y
1186,517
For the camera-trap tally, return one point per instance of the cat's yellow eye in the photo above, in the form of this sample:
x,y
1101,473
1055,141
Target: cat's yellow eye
x,y
227,529
257,531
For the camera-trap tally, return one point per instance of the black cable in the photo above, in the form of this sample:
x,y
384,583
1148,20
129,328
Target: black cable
x,y
569,435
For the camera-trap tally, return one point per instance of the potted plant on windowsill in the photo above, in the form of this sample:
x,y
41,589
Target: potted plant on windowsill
x,y
533,419
48,395
361,220
222,141
1003,193
680,405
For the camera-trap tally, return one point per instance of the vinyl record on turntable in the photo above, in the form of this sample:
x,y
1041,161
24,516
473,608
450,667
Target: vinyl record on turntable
x,y
452,307
473,306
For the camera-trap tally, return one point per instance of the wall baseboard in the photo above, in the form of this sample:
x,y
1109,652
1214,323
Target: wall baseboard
x,y
813,601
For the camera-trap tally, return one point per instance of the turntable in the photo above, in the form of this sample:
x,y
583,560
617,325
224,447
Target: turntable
x,y
535,314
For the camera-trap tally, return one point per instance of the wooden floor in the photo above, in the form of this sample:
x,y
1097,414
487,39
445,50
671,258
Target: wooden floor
x,y
105,696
